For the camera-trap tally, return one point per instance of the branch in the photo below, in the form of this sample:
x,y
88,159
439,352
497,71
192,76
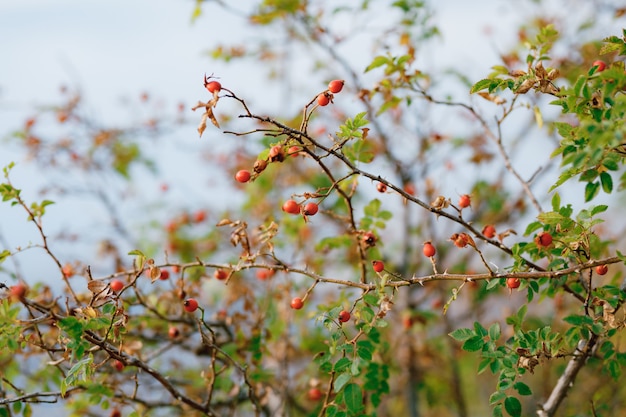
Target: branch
x,y
566,381
34,397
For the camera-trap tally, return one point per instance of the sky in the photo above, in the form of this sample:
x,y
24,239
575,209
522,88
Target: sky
x,y
115,50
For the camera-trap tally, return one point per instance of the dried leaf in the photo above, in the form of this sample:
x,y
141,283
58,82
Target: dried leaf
x,y
525,86
209,112
224,222
517,73
492,98
96,287
440,203
553,74
202,125
540,71
155,273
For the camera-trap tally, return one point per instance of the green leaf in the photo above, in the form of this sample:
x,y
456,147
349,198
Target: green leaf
x,y
522,388
341,380
4,254
462,334
513,406
378,61
481,85
607,182
556,202
494,331
578,320
599,209
479,329
342,364
372,208
591,190
473,344
496,397
353,397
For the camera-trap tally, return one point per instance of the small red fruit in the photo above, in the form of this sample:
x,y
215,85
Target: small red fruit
x,y
310,209
489,231
314,394
512,283
429,250
294,151
220,274
199,216
543,239
165,274
460,240
243,176
68,270
115,413
264,274
409,188
378,266
291,207
602,269
18,291
213,86
190,305
464,201
344,316
381,187
297,303
277,154
369,238
600,64
116,285
119,365
335,86
173,332
323,99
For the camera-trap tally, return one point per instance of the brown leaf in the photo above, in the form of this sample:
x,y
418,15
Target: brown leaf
x,y
440,203
517,73
540,71
202,125
209,112
492,98
155,273
96,287
224,222
525,86
553,74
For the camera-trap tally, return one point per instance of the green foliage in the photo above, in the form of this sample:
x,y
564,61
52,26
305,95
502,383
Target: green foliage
x,y
385,180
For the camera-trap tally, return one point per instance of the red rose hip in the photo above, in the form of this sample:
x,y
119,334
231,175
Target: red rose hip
x,y
243,176
600,64
323,99
378,266
335,86
310,209
543,239
429,250
465,201
190,305
116,285
344,316
512,283
297,303
291,207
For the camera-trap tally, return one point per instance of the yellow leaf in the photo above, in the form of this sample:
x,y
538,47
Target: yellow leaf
x,y
538,117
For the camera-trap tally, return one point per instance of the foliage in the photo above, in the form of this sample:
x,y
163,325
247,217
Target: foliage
x,y
525,311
